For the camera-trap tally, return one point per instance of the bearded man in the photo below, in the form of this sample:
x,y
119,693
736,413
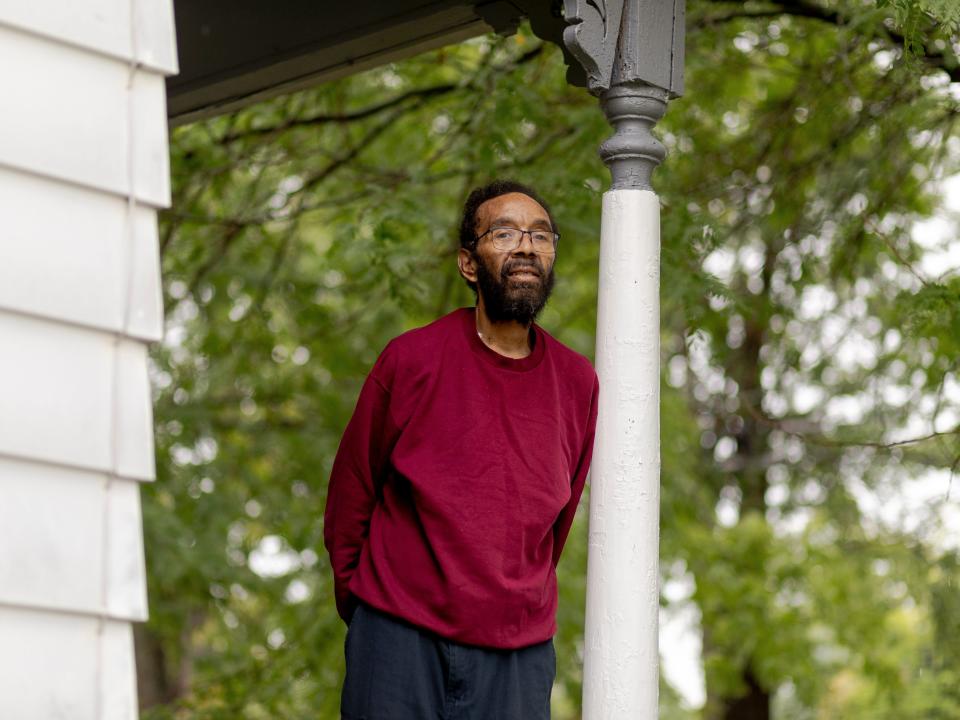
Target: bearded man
x,y
455,486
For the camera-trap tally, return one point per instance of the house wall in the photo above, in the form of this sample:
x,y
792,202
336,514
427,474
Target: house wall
x,y
83,170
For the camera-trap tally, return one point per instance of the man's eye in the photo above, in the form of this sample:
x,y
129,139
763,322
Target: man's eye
x,y
503,233
541,236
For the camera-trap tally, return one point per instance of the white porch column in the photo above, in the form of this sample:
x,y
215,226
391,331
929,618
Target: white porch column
x,y
632,54
620,638
83,169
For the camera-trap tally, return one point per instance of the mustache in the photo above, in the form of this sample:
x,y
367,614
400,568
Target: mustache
x,y
514,266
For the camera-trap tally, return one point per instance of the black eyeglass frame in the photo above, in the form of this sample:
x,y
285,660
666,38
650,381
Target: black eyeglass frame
x,y
556,238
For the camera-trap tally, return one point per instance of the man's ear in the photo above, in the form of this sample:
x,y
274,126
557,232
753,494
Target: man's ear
x,y
467,265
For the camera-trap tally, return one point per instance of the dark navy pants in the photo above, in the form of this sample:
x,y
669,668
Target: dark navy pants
x,y
398,671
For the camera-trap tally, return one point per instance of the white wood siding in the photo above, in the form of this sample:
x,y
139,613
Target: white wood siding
x,y
56,237
53,559
56,385
102,26
50,666
65,116
82,131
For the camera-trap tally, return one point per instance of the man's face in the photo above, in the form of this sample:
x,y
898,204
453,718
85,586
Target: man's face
x,y
514,285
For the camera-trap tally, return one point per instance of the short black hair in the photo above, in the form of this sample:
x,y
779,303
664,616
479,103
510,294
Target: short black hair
x,y
478,196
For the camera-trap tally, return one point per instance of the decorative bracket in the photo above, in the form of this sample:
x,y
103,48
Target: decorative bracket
x,y
591,37
620,41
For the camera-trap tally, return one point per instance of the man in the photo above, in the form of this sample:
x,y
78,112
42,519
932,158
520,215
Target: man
x,y
455,485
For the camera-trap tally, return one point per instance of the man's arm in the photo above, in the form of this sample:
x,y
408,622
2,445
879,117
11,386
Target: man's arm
x,y
561,527
357,472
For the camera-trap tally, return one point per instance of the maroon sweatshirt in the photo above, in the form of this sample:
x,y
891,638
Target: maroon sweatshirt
x,y
456,482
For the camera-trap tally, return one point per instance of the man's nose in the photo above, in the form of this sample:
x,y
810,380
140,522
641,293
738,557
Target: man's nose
x,y
525,246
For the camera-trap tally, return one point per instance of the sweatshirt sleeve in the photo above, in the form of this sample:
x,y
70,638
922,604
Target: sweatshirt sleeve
x,y
562,526
357,473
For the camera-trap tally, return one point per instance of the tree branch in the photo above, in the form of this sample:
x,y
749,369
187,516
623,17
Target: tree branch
x,y
336,118
813,11
418,94
792,426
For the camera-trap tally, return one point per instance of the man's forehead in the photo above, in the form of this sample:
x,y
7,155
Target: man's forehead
x,y
510,219
510,205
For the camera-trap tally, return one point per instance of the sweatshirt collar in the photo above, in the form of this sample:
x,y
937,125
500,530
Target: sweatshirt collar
x,y
479,348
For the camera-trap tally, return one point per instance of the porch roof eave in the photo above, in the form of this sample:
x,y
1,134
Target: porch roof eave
x,y
237,52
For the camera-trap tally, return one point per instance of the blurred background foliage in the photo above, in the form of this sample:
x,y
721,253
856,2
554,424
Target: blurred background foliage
x,y
809,365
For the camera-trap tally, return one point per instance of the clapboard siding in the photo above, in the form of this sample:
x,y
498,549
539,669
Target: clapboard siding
x,y
68,118
83,168
54,665
56,389
102,26
54,559
62,248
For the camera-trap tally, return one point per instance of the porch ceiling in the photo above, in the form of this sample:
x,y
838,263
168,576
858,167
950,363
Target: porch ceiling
x,y
235,52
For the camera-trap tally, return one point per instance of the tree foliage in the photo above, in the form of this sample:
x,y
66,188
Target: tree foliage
x,y
806,356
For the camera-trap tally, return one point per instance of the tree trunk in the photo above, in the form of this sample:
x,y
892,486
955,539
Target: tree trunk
x,y
153,685
752,438
755,705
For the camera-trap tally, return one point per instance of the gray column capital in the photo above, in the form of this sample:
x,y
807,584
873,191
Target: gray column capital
x,y
633,152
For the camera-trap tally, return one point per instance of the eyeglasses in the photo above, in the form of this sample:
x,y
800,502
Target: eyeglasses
x,y
507,239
